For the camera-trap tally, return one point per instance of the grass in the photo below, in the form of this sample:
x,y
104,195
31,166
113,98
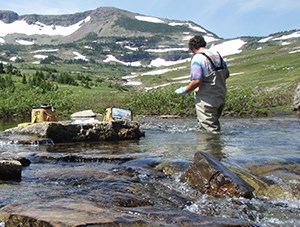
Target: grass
x,y
267,81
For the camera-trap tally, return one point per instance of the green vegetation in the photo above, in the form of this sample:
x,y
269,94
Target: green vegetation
x,y
261,81
144,26
68,92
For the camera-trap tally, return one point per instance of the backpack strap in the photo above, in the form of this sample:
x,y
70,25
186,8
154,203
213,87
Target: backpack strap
x,y
211,61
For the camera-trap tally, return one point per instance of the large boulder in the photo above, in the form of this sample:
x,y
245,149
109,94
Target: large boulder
x,y
296,102
66,132
209,176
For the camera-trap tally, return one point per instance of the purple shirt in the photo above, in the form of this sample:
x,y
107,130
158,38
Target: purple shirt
x,y
201,67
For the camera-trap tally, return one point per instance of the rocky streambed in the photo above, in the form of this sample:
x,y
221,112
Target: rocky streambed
x,y
174,176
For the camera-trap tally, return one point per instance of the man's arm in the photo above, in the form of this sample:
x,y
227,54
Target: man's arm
x,y
193,85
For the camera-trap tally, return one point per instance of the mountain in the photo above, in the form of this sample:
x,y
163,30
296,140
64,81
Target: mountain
x,y
109,34
104,21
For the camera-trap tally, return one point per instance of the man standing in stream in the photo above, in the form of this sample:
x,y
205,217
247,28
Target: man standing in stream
x,y
208,80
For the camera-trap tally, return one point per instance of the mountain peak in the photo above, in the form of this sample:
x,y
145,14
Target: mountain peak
x,y
8,16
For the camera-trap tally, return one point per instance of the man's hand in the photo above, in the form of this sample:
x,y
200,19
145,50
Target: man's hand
x,y
181,90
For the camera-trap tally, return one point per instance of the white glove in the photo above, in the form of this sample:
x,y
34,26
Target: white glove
x,y
181,90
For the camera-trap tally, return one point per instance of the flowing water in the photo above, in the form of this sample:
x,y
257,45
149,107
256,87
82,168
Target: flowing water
x,y
127,171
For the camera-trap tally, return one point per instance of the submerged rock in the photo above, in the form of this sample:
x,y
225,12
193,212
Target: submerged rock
x,y
65,132
209,176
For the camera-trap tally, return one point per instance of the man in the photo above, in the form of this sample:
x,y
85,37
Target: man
x,y
208,79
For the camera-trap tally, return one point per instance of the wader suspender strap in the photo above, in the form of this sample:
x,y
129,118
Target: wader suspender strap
x,y
213,64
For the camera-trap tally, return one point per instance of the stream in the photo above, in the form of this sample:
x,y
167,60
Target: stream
x,y
132,175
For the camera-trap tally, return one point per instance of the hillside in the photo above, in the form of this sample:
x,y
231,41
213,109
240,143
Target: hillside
x,y
81,61
112,35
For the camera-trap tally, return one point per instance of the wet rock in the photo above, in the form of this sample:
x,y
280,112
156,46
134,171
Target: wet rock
x,y
172,167
274,180
209,176
63,132
24,162
67,212
10,170
296,102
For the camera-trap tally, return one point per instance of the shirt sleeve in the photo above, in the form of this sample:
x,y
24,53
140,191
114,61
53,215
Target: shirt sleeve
x,y
197,69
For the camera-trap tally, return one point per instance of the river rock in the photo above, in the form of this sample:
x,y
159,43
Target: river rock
x,y
71,213
10,170
209,176
296,102
66,132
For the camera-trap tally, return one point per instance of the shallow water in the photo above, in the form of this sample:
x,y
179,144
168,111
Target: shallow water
x,y
268,147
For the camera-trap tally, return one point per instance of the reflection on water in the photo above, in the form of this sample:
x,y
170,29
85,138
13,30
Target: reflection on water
x,y
268,147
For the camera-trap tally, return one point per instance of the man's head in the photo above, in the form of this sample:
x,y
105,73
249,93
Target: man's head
x,y
196,43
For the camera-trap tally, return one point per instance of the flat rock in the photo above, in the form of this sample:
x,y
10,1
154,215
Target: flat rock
x,y
68,212
62,132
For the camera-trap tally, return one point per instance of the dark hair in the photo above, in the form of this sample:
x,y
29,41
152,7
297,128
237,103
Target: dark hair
x,y
196,42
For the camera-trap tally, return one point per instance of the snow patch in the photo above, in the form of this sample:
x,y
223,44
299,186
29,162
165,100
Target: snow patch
x,y
14,58
2,40
290,36
133,83
24,42
43,51
166,50
166,84
114,59
162,71
79,56
265,39
229,47
209,39
161,62
40,56
88,47
149,19
131,48
196,28
297,50
22,27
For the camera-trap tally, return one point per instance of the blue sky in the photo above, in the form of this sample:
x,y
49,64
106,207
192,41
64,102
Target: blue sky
x,y
225,18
